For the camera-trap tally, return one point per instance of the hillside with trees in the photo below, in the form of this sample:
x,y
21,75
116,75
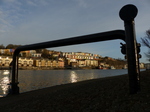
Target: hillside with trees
x,y
117,63
54,55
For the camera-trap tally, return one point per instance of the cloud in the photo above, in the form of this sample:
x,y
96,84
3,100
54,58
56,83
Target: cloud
x,y
9,1
44,2
32,21
82,3
9,13
38,3
31,3
15,12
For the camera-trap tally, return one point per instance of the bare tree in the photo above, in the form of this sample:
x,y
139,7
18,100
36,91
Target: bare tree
x,y
146,42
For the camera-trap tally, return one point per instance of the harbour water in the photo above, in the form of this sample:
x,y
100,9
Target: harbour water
x,y
37,79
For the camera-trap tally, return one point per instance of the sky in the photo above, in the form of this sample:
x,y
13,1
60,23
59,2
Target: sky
x,y
24,22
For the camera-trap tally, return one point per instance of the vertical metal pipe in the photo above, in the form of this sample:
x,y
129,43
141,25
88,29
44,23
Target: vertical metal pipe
x,y
14,82
132,58
127,14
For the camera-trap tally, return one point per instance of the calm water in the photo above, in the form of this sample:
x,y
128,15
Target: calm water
x,y
37,79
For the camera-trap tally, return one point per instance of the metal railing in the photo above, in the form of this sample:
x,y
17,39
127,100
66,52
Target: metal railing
x,y
128,36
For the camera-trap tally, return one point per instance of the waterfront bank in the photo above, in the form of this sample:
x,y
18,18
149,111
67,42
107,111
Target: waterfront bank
x,y
109,94
49,68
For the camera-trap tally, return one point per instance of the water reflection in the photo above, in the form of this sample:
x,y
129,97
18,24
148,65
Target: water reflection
x,y
5,72
4,81
73,77
37,79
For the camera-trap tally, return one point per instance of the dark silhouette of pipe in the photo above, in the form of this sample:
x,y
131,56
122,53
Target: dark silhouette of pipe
x,y
127,14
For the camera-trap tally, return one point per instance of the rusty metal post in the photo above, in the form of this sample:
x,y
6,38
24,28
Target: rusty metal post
x,y
127,14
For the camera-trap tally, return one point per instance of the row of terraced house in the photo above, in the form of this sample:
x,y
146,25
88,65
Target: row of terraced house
x,y
62,59
82,59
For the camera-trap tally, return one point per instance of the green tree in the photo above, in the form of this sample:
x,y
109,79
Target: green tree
x,y
45,53
39,50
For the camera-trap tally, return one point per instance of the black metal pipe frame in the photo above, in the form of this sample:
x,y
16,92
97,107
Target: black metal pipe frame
x,y
110,35
127,14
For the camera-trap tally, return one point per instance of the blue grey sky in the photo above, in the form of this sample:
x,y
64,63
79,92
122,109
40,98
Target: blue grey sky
x,y
33,21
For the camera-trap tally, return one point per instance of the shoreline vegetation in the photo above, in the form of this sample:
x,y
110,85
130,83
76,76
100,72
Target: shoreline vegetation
x,y
109,94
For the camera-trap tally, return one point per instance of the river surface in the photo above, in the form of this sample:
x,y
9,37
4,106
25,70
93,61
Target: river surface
x,y
37,79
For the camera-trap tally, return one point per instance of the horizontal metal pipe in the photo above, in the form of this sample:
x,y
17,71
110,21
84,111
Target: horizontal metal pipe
x,y
110,35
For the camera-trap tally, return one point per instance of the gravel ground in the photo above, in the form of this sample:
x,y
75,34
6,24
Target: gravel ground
x,y
99,95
